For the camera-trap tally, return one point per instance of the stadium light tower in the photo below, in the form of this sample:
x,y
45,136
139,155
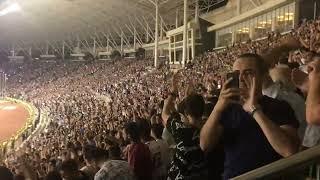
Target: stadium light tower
x,y
185,33
156,38
156,43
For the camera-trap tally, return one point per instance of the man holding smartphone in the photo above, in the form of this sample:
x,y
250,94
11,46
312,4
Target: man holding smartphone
x,y
256,129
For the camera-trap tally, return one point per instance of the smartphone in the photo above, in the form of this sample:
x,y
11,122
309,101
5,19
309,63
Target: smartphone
x,y
234,82
235,79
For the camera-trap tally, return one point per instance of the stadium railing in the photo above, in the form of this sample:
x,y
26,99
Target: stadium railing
x,y
296,167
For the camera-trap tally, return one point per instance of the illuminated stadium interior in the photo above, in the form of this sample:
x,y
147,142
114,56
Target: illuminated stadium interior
x,y
159,89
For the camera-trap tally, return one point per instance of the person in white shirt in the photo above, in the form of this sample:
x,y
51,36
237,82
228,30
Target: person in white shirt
x,y
283,89
280,87
158,148
114,168
156,133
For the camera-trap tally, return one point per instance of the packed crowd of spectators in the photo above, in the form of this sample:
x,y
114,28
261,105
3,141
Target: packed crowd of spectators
x,y
125,120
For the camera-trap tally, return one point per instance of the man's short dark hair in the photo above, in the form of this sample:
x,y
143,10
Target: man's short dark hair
x,y
69,166
145,127
114,151
89,152
100,154
157,130
315,55
294,65
192,105
20,177
261,64
132,129
53,175
5,173
53,162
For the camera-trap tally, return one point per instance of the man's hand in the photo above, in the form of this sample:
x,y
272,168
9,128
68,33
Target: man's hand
x,y
190,88
225,97
314,70
251,100
168,106
313,98
174,83
300,80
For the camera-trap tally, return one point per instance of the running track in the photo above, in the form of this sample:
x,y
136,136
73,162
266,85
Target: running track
x,y
13,117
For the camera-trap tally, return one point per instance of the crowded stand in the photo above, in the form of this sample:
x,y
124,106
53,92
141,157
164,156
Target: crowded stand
x,y
123,120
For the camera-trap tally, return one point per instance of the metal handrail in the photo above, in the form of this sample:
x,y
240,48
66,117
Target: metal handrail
x,y
284,166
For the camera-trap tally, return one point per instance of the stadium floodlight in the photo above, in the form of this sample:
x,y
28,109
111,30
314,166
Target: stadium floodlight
x,y
10,9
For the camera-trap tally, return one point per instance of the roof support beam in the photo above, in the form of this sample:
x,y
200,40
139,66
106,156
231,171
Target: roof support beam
x,y
238,7
94,47
156,41
134,39
71,46
21,48
5,51
164,23
55,47
115,45
42,51
164,2
88,45
253,3
109,41
153,2
177,18
145,28
259,2
161,21
135,33
122,36
185,33
80,42
100,44
107,44
196,16
29,53
97,42
133,25
63,50
47,47
147,24
126,40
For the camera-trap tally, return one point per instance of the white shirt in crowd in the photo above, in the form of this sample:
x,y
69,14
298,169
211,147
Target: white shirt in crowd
x,y
160,156
309,134
297,103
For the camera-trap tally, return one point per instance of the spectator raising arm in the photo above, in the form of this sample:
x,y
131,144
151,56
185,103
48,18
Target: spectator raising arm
x,y
313,98
284,139
168,106
272,57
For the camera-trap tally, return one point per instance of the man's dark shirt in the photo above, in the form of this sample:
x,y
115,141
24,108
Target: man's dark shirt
x,y
246,146
215,162
189,161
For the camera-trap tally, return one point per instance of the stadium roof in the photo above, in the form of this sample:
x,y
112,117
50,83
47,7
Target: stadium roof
x,y
41,20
